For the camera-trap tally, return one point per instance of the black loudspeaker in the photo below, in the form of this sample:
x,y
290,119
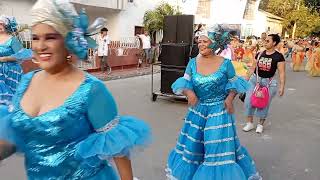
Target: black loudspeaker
x,y
174,54
185,29
178,29
168,77
170,29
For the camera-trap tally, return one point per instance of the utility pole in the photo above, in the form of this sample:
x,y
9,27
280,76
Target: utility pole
x,y
295,23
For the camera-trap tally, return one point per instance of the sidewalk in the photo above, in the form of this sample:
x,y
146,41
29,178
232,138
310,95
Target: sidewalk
x,y
125,73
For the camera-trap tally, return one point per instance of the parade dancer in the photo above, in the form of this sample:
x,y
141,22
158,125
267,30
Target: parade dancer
x,y
208,147
298,57
11,55
315,61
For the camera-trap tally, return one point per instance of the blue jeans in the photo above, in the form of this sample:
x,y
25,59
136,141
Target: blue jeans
x,y
289,53
260,113
148,55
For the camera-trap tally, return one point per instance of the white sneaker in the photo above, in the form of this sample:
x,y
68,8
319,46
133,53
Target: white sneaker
x,y
259,129
248,127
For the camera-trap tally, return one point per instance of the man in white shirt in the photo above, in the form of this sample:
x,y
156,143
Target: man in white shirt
x,y
146,46
103,42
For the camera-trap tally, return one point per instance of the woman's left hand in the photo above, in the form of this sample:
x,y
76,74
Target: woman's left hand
x,y
281,92
228,104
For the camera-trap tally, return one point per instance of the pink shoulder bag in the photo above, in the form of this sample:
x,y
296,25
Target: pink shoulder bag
x,y
260,96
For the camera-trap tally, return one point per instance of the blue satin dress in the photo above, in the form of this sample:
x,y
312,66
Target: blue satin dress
x,y
10,72
76,140
208,147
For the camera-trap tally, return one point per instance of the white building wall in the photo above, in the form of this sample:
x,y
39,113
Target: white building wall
x,y
112,17
122,23
112,4
221,11
260,24
17,8
227,11
133,16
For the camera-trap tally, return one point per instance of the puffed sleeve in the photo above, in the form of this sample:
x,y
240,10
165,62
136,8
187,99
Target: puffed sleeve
x,y
184,82
20,53
7,132
235,83
114,136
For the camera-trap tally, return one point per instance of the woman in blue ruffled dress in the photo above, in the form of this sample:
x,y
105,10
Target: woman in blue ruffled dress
x,y
11,54
63,120
208,147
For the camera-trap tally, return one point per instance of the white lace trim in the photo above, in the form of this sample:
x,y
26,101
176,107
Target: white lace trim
x,y
5,102
6,94
241,157
209,116
10,108
182,145
206,156
169,174
188,152
11,79
219,154
219,126
239,148
187,77
110,125
255,177
190,161
219,163
233,79
219,140
16,72
193,125
210,127
216,114
212,104
191,138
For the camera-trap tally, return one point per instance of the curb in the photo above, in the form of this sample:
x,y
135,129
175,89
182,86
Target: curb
x,y
125,76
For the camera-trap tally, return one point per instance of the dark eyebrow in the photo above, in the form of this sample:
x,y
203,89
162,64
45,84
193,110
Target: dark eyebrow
x,y
49,34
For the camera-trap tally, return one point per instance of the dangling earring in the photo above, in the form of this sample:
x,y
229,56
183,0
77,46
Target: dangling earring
x,y
69,59
35,61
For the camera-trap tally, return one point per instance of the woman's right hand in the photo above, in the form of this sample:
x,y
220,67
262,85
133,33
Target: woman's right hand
x,y
192,97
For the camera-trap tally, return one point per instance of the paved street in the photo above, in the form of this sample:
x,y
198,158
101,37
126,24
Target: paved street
x,y
288,150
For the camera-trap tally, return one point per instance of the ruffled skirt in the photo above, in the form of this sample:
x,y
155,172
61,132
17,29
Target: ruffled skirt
x,y
208,148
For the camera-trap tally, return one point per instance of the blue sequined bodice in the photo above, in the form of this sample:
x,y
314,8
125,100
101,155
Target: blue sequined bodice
x,y
5,48
48,141
210,88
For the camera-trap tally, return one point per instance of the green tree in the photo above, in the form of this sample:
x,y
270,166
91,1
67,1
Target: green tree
x,y
281,7
153,19
263,5
295,11
307,22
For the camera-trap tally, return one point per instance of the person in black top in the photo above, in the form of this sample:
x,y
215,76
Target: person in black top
x,y
268,62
